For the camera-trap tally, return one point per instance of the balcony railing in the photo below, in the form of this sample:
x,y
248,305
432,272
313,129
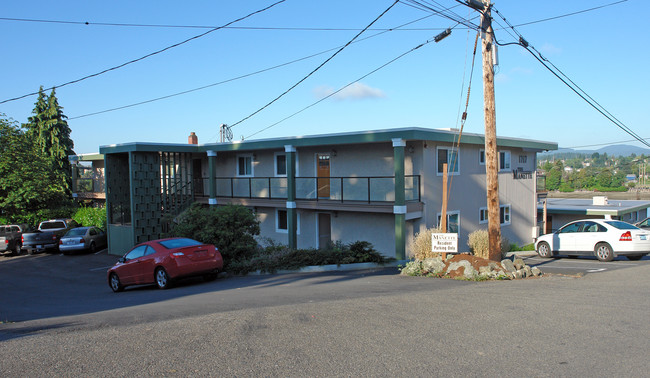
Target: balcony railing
x,y
359,189
88,185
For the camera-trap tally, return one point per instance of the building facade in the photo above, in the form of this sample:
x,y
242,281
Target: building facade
x,y
378,186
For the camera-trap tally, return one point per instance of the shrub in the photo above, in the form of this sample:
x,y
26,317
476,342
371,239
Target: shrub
x,y
478,242
274,257
420,246
231,228
91,216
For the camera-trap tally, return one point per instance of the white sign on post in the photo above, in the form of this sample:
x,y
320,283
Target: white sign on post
x,y
444,243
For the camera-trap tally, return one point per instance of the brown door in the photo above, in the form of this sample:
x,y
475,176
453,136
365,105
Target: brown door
x,y
323,180
324,230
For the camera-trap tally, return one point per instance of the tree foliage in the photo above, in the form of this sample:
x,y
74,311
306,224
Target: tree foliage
x,y
30,190
231,228
48,130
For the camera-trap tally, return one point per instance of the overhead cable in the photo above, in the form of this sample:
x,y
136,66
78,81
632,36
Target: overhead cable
x,y
148,55
343,87
317,68
246,75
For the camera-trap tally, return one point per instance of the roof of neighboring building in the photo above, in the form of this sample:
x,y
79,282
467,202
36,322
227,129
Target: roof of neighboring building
x,y
407,134
586,206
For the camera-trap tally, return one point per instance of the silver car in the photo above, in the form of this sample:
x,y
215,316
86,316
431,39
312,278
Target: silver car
x,y
83,239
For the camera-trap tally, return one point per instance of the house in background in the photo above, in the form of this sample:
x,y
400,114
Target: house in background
x,y
379,186
88,178
560,211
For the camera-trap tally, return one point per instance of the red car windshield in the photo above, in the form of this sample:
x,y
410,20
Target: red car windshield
x,y
178,243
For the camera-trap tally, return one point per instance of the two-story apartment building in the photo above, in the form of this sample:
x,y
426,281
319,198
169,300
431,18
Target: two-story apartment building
x,y
378,186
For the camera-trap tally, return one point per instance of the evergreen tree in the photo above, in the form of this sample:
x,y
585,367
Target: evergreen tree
x,y
49,130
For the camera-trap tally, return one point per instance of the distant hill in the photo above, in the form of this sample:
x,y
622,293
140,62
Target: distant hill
x,y
614,150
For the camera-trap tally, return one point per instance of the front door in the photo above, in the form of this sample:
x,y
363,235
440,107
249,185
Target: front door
x,y
324,230
323,180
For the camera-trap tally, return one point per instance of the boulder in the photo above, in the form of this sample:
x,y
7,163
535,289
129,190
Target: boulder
x,y
508,265
469,271
433,265
518,263
528,270
536,272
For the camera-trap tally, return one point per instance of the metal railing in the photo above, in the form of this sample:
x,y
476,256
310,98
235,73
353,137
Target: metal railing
x,y
88,185
357,189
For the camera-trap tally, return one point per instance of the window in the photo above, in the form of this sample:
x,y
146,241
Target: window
x,y
282,221
504,160
453,221
481,157
280,164
136,252
245,165
504,214
523,159
449,156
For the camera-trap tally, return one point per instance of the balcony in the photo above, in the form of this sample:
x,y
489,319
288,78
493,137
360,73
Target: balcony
x,y
364,194
89,188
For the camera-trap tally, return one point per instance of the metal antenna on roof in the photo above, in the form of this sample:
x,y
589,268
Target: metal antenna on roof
x,y
225,133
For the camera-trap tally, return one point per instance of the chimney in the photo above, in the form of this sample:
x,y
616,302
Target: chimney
x,y
192,139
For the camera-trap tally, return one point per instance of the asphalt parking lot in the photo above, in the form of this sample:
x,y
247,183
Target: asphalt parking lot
x,y
580,266
58,317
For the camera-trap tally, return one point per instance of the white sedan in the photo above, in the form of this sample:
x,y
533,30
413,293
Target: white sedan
x,y
602,238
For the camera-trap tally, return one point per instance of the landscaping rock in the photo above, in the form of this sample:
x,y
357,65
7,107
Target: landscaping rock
x,y
469,271
528,270
433,265
508,265
518,263
536,272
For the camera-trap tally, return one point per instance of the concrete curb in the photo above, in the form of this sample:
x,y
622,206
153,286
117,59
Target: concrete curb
x,y
362,266
334,267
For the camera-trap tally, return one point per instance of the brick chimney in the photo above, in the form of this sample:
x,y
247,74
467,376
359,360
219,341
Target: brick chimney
x,y
192,139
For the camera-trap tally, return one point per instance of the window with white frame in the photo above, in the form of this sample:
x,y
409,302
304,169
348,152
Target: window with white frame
x,y
504,214
282,221
453,221
280,164
504,160
481,157
245,165
450,156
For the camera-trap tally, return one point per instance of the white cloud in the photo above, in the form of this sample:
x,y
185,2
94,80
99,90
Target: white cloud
x,y
549,49
355,91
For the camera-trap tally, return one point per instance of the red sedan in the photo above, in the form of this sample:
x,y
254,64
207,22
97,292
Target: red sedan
x,y
164,260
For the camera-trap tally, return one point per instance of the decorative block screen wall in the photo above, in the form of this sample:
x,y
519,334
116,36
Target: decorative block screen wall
x,y
145,181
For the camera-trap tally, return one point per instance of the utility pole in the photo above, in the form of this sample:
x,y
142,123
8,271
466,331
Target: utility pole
x,y
491,155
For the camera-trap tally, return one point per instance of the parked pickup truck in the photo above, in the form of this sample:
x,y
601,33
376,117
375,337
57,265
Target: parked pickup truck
x,y
11,238
46,238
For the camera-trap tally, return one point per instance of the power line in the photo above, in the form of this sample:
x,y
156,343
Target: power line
x,y
272,28
570,14
148,55
317,68
601,144
118,24
342,88
246,75
570,83
441,11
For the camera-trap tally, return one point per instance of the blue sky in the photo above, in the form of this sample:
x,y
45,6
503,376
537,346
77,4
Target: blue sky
x,y
603,51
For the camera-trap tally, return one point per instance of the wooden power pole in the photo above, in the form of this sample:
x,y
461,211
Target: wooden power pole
x,y
491,154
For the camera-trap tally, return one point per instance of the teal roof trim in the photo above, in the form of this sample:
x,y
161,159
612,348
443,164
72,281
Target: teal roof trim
x,y
380,136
